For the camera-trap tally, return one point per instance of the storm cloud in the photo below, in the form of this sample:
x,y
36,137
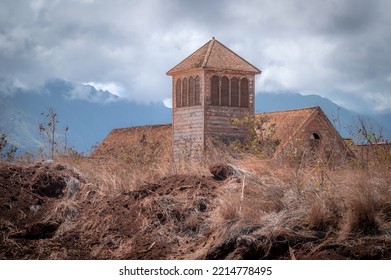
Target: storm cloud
x,y
336,49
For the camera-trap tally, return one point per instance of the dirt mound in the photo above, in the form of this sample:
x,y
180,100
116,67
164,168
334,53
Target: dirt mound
x,y
175,212
253,243
37,231
27,192
221,171
49,212
52,211
28,197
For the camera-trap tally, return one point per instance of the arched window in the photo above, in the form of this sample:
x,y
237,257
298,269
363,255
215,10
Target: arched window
x,y
184,92
314,140
244,92
178,100
215,99
224,91
197,98
315,136
234,92
191,92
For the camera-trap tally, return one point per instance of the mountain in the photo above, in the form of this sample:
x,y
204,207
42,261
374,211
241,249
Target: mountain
x,y
345,121
385,121
90,114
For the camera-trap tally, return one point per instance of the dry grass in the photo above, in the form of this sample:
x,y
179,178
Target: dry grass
x,y
267,209
111,176
282,204
288,205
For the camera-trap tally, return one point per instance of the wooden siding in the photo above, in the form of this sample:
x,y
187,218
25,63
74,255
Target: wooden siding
x,y
188,132
220,99
218,121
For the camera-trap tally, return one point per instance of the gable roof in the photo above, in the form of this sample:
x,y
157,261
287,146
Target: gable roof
x,y
288,123
214,55
136,143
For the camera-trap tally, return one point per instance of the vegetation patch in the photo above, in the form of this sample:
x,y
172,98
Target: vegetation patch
x,y
244,207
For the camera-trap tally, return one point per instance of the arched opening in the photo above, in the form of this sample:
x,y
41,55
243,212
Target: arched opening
x,y
244,92
315,136
197,98
314,140
215,98
224,91
234,92
191,92
178,99
184,92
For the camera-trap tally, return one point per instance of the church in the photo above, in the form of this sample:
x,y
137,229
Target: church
x,y
210,88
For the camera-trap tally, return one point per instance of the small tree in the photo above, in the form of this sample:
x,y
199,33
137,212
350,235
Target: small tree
x,y
368,137
6,151
66,128
49,129
261,134
365,133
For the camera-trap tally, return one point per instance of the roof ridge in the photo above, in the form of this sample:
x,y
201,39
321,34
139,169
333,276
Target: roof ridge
x,y
289,110
234,53
310,117
214,55
141,126
206,58
167,73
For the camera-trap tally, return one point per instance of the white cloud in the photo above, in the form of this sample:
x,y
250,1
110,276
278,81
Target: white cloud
x,y
297,65
110,87
380,101
167,102
8,87
126,46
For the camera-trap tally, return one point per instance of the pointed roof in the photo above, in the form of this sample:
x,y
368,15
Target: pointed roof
x,y
214,55
289,122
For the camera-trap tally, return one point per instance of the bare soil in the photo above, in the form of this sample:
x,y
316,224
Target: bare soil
x,y
51,211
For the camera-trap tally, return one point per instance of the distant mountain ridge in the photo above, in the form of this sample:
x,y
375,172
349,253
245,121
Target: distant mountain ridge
x,y
91,114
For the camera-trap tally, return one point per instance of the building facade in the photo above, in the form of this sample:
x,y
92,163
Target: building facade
x,y
209,88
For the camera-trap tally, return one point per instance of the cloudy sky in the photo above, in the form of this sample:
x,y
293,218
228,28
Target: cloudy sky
x,y
338,49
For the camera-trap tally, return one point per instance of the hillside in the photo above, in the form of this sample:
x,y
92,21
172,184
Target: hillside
x,y
91,208
91,114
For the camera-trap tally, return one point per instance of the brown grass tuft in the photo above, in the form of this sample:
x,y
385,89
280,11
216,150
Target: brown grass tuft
x,y
142,206
361,216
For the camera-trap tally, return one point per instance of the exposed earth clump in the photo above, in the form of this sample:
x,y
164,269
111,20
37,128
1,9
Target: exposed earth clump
x,y
56,211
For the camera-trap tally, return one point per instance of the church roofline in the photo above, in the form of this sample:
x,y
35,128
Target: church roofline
x,y
290,110
211,56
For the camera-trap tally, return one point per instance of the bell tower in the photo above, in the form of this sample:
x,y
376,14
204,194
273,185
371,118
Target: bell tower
x,y
209,88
